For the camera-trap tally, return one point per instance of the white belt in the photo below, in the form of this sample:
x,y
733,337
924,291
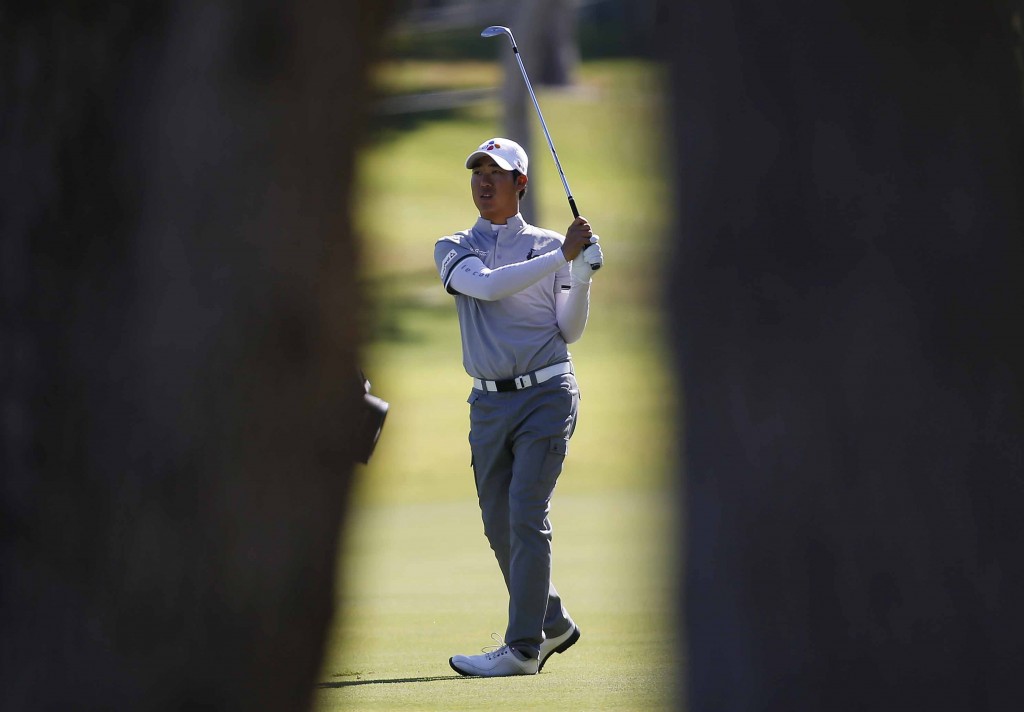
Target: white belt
x,y
525,381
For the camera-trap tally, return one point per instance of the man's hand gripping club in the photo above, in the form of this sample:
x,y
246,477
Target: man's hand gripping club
x,y
582,251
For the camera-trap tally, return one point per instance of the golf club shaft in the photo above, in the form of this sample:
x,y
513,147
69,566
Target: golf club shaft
x,y
494,31
544,127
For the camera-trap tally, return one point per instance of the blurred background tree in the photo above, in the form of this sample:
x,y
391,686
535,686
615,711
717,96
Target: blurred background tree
x,y
179,346
846,314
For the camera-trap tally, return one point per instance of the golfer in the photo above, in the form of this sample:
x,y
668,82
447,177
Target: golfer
x,y
522,294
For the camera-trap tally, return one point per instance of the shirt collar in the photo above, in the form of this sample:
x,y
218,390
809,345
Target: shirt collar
x,y
513,225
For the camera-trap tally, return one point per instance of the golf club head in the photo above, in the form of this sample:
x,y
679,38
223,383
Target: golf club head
x,y
495,30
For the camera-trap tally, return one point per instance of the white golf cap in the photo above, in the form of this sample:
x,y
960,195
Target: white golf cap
x,y
506,153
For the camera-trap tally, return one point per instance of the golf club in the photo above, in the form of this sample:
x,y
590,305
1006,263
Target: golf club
x,y
494,31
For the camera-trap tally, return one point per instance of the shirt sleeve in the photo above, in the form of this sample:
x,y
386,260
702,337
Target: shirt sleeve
x,y
572,308
470,277
449,252
563,278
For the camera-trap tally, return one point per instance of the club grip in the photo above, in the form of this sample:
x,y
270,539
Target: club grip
x,y
576,214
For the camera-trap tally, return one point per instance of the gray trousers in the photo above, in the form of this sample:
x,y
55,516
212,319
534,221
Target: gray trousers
x,y
519,441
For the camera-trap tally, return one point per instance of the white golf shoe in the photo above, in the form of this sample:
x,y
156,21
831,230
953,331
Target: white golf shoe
x,y
558,644
503,662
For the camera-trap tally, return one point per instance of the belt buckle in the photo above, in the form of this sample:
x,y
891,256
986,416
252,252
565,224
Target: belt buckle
x,y
522,382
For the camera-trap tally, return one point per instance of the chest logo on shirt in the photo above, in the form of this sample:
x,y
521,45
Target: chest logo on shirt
x,y
531,254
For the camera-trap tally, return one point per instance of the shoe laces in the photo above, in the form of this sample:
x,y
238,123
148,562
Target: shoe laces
x,y
499,648
493,650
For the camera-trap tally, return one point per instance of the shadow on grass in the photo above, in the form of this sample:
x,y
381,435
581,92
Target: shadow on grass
x,y
393,681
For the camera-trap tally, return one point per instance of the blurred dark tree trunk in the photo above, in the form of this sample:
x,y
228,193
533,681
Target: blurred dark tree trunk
x,y
178,347
846,305
558,46
547,34
640,28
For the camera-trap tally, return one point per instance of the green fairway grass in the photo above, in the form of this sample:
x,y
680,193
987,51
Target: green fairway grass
x,y
418,581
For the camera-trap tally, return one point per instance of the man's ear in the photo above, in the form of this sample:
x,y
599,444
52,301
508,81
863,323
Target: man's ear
x,y
521,180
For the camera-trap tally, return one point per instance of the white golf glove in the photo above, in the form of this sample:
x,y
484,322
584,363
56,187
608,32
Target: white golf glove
x,y
588,261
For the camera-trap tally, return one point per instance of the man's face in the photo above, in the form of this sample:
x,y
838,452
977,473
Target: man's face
x,y
495,192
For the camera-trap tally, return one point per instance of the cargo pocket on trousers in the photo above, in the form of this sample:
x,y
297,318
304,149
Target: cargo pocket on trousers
x,y
557,450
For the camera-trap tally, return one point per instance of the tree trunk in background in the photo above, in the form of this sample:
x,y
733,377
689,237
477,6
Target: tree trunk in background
x,y
178,348
846,311
558,45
